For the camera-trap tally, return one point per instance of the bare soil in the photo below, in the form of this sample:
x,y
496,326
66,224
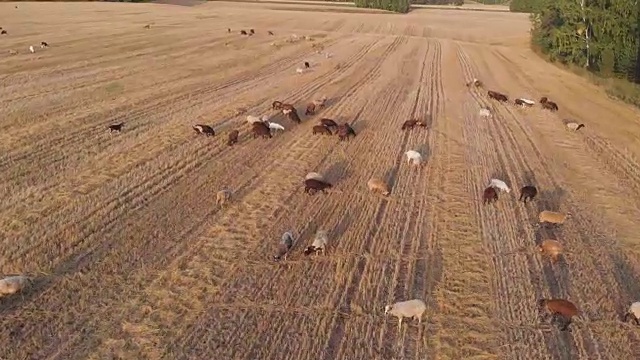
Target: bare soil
x,y
133,259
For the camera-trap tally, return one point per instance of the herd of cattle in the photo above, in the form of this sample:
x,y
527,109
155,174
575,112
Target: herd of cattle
x,y
560,309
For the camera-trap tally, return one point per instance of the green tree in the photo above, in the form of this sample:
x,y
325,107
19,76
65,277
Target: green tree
x,y
525,6
400,6
602,35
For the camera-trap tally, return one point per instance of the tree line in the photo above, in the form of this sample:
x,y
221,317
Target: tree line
x,y
401,6
438,2
603,36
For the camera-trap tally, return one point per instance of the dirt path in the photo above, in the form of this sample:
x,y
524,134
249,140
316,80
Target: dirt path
x,y
137,261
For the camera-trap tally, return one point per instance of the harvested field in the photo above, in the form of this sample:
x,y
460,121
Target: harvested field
x,y
133,259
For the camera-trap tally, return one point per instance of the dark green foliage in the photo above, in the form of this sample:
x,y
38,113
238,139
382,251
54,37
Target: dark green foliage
x,y
525,6
400,6
608,64
431,2
438,2
610,27
603,36
492,2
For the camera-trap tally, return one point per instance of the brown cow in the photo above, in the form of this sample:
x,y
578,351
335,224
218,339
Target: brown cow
x,y
328,123
233,137
345,131
489,195
293,116
498,96
322,130
549,105
311,186
410,124
311,109
261,129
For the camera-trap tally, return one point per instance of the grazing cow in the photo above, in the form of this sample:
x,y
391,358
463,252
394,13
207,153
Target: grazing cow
x,y
498,96
490,195
524,102
242,32
328,123
320,102
43,44
148,26
293,116
276,105
287,108
560,309
32,49
223,197
321,129
474,82
528,193
345,131
485,112
311,109
306,64
233,137
410,124
228,30
285,245
115,127
311,186
204,129
260,124
275,126
270,32
319,244
549,105
574,126
261,129
251,31
3,32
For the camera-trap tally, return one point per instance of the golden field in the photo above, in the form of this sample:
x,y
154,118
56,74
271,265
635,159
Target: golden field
x,y
133,259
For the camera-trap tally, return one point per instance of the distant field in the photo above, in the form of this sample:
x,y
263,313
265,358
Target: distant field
x,y
471,6
133,259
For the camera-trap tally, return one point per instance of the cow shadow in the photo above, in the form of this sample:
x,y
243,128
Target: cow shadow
x,y
428,119
551,199
529,178
425,151
545,234
337,172
330,102
10,304
627,280
341,227
358,125
390,177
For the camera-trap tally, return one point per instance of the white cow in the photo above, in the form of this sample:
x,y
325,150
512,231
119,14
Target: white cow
x,y
275,126
495,183
414,156
485,113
